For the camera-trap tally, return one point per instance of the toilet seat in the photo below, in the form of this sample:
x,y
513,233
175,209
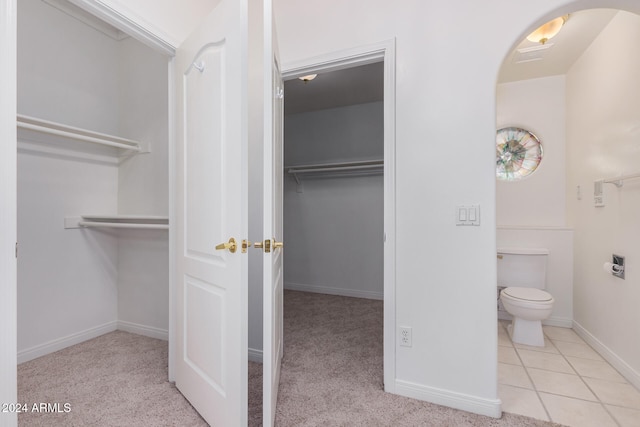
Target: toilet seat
x,y
527,294
526,298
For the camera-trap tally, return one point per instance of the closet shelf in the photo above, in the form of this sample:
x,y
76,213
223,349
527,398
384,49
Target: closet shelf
x,y
148,222
71,132
368,167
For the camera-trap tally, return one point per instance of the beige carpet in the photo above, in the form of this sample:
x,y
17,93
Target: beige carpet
x,y
331,376
117,379
332,371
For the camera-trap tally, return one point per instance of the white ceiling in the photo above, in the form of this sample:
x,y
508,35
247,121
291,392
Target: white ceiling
x,y
365,83
558,55
349,86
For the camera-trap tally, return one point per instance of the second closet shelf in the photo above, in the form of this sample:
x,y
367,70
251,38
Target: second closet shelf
x,y
148,222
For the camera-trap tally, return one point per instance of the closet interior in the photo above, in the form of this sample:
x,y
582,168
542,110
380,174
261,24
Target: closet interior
x,y
333,191
93,195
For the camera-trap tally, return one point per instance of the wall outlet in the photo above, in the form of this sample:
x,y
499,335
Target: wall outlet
x,y
405,336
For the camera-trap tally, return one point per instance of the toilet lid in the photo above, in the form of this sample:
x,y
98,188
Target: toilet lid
x,y
528,294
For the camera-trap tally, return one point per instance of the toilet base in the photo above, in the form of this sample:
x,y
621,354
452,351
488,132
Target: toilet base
x,y
527,332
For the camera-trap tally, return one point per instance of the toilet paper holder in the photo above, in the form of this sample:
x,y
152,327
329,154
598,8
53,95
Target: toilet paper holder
x,y
616,267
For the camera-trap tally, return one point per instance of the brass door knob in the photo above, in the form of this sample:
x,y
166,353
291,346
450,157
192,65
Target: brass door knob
x,y
268,244
231,245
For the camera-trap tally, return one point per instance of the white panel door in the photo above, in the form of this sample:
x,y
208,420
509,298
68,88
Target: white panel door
x,y
211,197
273,198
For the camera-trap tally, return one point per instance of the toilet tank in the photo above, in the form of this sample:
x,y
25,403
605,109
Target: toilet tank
x,y
526,268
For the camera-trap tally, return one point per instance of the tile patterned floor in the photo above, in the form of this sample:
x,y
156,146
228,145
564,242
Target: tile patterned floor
x,y
565,381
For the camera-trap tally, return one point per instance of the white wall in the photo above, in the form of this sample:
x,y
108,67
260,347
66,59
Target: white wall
x,y
143,115
443,113
602,137
333,228
537,105
78,283
446,80
66,76
531,213
143,282
343,134
143,256
445,156
67,278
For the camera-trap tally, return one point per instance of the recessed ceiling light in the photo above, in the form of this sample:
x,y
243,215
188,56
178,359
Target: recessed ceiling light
x,y
308,78
550,29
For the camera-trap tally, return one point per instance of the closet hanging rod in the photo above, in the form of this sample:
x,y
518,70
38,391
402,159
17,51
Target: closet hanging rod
x,y
333,167
618,181
58,129
366,167
123,225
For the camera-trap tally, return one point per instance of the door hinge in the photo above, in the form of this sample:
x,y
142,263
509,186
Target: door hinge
x,y
16,250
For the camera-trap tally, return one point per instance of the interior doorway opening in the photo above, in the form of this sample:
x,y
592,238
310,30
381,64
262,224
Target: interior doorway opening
x,y
583,91
333,182
371,165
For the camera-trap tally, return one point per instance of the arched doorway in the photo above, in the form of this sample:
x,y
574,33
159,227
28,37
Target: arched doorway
x,y
588,126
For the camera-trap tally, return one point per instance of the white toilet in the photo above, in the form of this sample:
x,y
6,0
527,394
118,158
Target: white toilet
x,y
523,274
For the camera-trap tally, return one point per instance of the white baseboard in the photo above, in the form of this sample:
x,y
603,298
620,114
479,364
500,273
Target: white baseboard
x,y
255,355
334,291
561,322
147,331
64,342
465,402
620,365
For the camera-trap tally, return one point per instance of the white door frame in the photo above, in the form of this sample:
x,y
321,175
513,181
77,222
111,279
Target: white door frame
x,y
8,210
362,55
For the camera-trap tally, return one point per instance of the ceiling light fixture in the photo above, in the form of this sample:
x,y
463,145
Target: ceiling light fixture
x,y
548,30
308,78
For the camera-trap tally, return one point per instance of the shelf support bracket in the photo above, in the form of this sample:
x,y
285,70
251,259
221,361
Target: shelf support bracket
x,y
298,182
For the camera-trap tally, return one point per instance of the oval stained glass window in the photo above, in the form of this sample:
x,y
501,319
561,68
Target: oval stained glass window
x,y
518,153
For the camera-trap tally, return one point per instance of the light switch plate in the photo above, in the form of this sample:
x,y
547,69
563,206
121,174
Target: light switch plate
x,y
474,215
598,194
468,215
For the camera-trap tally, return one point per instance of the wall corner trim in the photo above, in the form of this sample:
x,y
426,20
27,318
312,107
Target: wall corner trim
x,y
147,331
452,399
